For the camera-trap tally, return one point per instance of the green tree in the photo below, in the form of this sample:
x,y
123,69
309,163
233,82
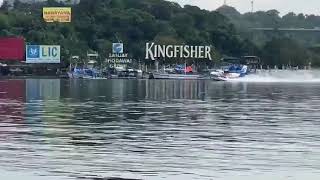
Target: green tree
x,y
285,52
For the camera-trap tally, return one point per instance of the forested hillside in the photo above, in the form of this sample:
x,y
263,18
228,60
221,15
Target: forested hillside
x,y
96,24
293,47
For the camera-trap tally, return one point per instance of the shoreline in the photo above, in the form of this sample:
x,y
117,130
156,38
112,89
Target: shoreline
x,y
65,76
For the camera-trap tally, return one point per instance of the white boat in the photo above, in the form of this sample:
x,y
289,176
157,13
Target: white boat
x,y
229,74
119,73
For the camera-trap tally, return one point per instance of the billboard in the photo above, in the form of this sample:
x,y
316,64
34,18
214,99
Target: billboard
x,y
118,56
57,14
154,51
12,49
42,54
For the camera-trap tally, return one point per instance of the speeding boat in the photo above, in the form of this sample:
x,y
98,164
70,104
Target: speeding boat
x,y
231,73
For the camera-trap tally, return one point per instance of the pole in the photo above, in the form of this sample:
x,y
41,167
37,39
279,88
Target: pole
x,y
185,65
252,4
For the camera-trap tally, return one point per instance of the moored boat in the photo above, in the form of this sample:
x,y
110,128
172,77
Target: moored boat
x,y
176,76
85,74
89,70
180,72
124,73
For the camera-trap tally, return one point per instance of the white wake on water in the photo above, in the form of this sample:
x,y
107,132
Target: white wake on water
x,y
299,76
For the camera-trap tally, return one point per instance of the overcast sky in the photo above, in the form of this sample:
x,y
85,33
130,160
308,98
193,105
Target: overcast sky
x,y
284,6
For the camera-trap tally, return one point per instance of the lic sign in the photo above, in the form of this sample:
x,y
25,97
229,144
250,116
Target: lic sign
x,y
42,54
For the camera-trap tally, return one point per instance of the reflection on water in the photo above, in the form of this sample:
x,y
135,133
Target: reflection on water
x,y
159,130
45,89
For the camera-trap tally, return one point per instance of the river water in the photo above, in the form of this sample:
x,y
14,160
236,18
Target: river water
x,y
152,129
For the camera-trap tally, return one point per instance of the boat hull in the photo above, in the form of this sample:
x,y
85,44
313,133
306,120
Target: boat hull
x,y
219,79
97,78
82,76
176,76
75,75
225,77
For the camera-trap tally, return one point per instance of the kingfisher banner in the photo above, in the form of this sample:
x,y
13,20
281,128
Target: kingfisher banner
x,y
154,51
42,54
57,14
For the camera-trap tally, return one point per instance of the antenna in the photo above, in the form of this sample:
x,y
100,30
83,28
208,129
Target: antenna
x,y
252,4
225,2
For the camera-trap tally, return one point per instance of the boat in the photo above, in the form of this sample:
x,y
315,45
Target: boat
x,y
180,72
233,72
124,73
176,76
88,70
236,68
85,73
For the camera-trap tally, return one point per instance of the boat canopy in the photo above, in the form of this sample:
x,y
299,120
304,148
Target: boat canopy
x,y
183,68
240,69
247,60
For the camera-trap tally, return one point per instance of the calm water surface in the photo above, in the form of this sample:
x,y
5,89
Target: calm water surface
x,y
61,129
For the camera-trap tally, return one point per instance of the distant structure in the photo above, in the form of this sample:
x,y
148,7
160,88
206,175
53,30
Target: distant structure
x,y
225,2
252,5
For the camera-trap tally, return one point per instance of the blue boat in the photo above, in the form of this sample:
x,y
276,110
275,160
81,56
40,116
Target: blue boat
x,y
238,68
85,73
233,72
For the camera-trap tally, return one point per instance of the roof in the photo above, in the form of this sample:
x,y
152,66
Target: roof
x,y
250,56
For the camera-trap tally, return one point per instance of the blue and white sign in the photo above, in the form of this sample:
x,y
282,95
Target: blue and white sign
x,y
42,54
117,48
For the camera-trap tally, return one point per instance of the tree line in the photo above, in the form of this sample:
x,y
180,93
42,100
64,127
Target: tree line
x,y
279,47
97,24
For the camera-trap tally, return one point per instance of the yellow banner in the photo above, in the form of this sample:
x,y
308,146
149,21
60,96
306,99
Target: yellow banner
x,y
57,14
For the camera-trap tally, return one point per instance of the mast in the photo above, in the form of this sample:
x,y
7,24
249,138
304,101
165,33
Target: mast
x,y
185,65
252,5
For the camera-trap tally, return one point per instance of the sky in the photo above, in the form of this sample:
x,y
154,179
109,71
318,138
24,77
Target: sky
x,y
283,6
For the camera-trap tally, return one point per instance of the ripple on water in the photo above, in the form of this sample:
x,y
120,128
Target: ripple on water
x,y
239,130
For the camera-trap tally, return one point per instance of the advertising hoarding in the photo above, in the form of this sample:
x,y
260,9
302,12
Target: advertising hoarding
x,y
57,14
118,56
154,51
12,49
42,54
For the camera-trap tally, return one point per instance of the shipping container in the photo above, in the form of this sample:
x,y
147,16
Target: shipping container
x,y
12,49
